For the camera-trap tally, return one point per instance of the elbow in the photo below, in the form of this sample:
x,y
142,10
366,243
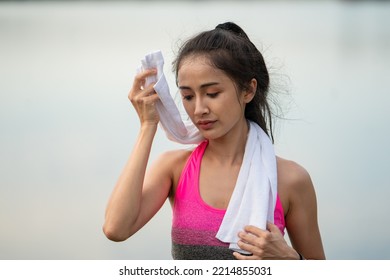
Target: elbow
x,y
114,234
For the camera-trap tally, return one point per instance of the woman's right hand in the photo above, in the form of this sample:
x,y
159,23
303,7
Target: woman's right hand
x,y
144,98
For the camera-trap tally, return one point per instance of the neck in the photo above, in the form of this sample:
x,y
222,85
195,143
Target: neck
x,y
230,148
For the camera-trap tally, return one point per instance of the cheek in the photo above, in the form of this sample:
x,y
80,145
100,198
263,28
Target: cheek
x,y
234,105
188,107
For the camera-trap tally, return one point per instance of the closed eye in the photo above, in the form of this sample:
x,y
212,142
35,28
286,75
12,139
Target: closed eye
x,y
213,95
187,97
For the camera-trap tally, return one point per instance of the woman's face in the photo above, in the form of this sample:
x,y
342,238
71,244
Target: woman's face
x,y
210,97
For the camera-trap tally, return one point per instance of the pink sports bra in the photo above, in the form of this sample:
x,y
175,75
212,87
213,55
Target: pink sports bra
x,y
196,223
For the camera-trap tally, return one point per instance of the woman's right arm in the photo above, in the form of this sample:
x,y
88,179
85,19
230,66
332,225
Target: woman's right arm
x,y
137,196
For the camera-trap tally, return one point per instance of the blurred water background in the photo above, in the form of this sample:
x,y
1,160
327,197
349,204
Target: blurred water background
x,y
66,126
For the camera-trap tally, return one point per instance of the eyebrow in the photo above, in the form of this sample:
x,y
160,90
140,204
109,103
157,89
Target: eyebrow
x,y
202,86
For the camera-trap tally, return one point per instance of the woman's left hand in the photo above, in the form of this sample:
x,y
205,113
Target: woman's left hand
x,y
264,244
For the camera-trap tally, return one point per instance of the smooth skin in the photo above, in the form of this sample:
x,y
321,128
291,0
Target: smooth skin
x,y
213,104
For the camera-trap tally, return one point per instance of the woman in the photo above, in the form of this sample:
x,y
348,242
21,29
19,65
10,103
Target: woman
x,y
224,82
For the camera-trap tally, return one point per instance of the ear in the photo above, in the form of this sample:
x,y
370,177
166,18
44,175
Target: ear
x,y
251,91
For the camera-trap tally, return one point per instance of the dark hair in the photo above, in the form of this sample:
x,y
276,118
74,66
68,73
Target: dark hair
x,y
229,49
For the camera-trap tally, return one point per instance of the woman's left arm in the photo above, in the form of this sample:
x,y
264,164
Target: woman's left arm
x,y
301,218
301,222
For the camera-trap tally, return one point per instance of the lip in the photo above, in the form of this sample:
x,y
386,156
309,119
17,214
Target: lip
x,y
205,124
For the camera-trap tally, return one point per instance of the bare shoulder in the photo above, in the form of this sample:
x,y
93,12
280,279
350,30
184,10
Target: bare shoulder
x,y
291,174
294,182
172,163
175,157
298,197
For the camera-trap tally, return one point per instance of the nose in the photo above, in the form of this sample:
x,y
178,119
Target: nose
x,y
201,107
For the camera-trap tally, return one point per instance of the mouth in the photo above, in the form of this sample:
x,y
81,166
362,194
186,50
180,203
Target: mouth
x,y
206,124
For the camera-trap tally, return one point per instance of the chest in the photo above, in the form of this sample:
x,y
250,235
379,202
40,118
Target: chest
x,y
216,183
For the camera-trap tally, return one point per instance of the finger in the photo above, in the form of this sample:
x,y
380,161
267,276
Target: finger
x,y
272,227
254,246
244,245
139,79
239,256
149,90
249,256
251,242
255,230
247,237
151,99
134,94
144,100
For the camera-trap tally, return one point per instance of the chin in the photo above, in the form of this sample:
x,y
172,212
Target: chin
x,y
210,134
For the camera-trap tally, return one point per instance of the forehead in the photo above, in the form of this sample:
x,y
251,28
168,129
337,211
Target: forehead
x,y
198,67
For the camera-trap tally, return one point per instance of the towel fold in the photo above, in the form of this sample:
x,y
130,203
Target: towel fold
x,y
254,197
170,119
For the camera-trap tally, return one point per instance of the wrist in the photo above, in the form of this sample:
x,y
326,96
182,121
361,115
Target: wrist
x,y
147,132
149,126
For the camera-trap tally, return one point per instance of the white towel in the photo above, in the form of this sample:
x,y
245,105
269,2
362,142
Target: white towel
x,y
254,197
170,119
